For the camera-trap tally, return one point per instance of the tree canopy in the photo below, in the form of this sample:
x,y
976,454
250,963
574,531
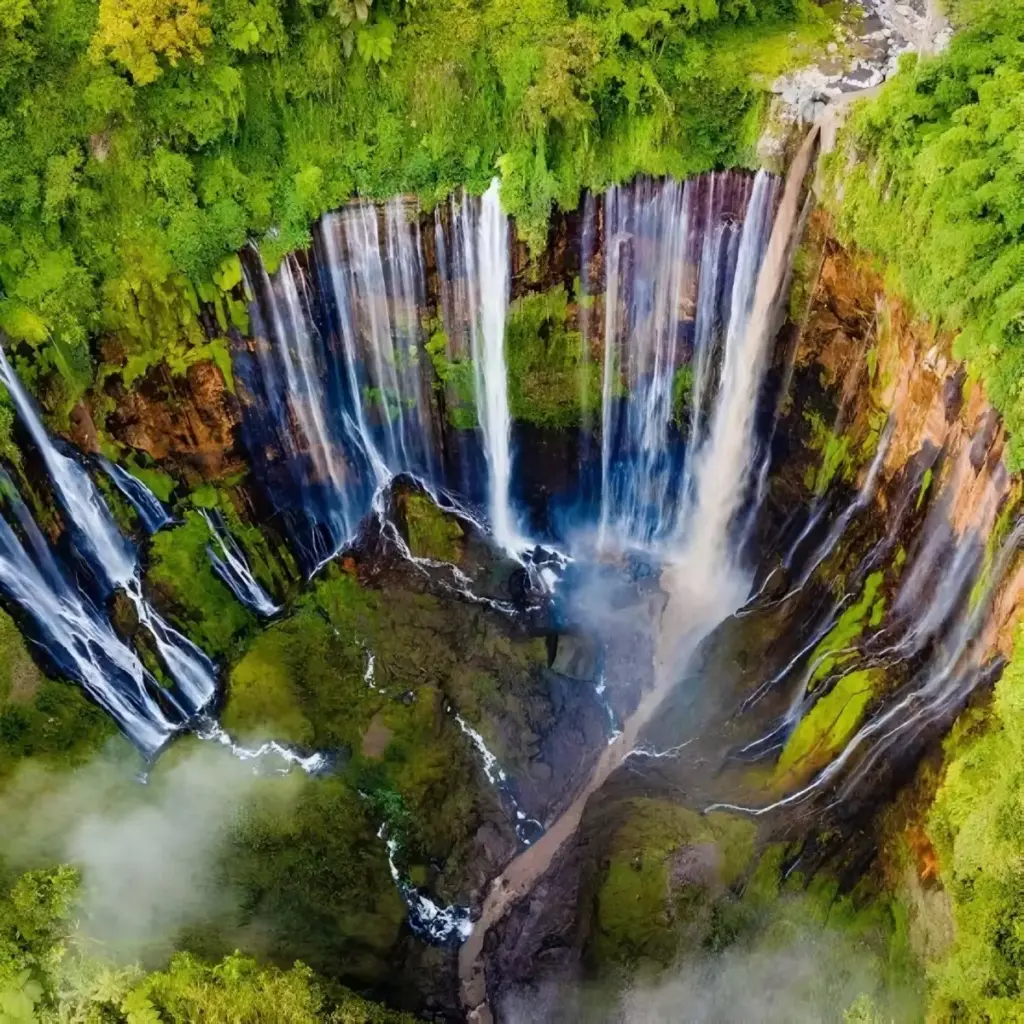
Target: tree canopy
x,y
147,141
937,193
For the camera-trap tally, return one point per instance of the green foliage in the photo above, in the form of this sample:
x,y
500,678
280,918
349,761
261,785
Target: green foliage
x,y
47,977
936,193
456,380
682,394
977,827
548,384
159,482
199,603
146,142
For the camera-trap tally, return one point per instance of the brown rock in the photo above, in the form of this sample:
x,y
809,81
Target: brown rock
x,y
188,421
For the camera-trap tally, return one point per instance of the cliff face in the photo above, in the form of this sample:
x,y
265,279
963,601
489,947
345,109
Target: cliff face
x,y
870,391
887,498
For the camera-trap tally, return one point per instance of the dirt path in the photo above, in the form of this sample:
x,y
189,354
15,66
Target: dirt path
x,y
516,881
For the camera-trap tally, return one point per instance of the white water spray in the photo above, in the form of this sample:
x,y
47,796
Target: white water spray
x,y
491,260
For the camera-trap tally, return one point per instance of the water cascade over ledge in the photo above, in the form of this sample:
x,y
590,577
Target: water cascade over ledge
x,y
385,350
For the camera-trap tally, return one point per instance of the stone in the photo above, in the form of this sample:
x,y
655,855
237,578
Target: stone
x,y
575,657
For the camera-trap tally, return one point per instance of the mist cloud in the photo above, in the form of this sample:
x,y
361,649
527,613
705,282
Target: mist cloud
x,y
149,852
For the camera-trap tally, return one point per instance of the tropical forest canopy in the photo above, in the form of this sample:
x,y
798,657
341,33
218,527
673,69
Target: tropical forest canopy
x,y
937,193
146,141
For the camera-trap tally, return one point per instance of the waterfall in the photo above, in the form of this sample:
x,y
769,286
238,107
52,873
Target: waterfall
x,y
316,472
76,635
110,557
678,273
338,387
474,271
148,506
231,567
723,462
489,272
339,394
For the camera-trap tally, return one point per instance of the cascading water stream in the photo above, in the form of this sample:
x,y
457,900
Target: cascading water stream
x,y
148,506
110,557
669,248
231,567
490,273
76,635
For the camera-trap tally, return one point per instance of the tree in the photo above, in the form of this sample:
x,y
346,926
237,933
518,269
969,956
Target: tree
x,y
137,33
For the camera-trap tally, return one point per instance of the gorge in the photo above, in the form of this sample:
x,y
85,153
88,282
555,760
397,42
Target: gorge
x,y
553,553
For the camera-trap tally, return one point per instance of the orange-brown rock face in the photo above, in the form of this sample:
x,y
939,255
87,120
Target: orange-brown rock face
x,y
879,360
189,422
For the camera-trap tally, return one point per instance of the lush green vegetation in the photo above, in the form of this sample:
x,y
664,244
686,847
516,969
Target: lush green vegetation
x,y
675,884
145,142
642,913
40,718
977,827
936,193
47,976
549,384
305,679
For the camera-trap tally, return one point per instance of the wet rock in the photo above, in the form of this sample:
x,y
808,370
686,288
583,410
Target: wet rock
x,y
188,422
953,394
575,657
984,435
83,429
124,615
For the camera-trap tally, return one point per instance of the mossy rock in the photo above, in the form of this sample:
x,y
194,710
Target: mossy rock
x,y
666,868
307,679
20,678
825,729
194,598
430,531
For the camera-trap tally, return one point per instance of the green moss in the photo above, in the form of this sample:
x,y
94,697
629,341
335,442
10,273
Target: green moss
x,y
833,651
682,394
549,384
455,379
42,718
926,482
198,602
19,676
643,916
431,532
305,675
993,543
262,699
835,452
825,729
861,938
